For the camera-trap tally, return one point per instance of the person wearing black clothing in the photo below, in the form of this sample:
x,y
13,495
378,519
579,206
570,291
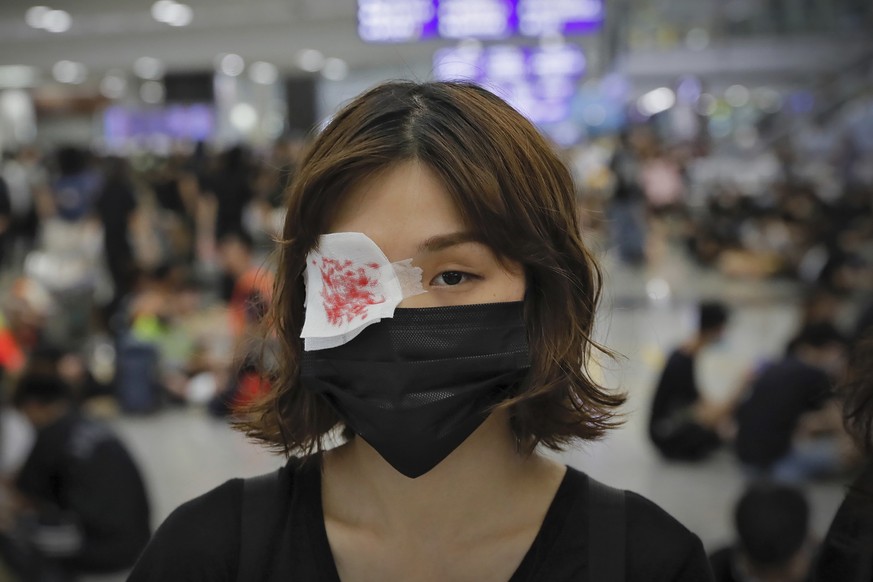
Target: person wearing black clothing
x,y
5,217
788,396
847,551
774,543
683,424
115,206
864,325
200,540
231,186
627,208
85,509
432,307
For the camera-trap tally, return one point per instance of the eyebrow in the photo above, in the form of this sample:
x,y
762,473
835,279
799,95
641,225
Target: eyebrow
x,y
441,242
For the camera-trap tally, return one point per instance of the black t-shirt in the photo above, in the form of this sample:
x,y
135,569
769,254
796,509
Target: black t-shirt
x,y
847,552
677,388
766,420
79,470
200,541
116,203
722,562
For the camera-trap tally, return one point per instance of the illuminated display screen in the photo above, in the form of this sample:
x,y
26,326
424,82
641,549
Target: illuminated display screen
x,y
539,82
412,20
185,122
569,17
397,20
484,19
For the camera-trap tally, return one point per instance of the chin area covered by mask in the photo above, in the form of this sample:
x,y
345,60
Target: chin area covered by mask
x,y
417,385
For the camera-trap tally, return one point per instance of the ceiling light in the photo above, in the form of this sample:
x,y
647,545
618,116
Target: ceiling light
x,y
180,15
57,21
152,92
70,72
232,65
335,69
35,16
310,60
244,117
737,96
148,68
263,73
162,10
656,101
113,86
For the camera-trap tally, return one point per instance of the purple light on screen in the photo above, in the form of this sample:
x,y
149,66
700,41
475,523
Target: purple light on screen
x,y
801,102
540,83
689,89
187,122
486,19
192,122
569,17
459,63
115,124
413,20
397,20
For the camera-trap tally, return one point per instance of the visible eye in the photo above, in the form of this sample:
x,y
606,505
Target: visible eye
x,y
451,279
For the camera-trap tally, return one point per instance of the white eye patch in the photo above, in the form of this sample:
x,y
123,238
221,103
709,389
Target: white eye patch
x,y
350,285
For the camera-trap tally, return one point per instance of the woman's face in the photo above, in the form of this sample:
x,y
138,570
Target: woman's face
x,y
408,213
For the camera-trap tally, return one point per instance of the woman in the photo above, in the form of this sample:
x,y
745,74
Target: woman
x,y
443,201
847,552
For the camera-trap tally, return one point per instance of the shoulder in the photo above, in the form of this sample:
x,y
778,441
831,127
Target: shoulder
x,y
679,359
659,547
198,541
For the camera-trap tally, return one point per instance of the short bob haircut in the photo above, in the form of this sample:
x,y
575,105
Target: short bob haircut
x,y
512,190
858,393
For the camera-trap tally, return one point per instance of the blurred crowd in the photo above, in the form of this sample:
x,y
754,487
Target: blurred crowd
x,y
131,284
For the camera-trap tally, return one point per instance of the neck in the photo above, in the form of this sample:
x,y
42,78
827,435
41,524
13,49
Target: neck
x,y
478,479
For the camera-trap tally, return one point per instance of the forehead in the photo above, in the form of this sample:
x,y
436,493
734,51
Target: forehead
x,y
398,208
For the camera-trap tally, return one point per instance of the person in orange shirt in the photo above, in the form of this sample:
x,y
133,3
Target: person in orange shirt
x,y
21,323
249,302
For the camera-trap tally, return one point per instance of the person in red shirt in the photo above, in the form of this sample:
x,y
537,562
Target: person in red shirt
x,y
21,323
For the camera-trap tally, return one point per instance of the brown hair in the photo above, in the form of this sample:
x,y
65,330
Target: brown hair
x,y
511,189
858,393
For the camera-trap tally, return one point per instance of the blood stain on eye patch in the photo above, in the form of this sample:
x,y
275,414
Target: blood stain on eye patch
x,y
348,289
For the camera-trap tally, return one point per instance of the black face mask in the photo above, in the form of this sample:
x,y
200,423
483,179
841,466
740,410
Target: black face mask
x,y
415,386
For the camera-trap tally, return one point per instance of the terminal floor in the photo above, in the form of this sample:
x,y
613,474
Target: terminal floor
x,y
185,452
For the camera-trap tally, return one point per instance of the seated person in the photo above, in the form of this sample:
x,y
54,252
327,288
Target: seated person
x,y
82,504
774,543
683,424
249,302
788,427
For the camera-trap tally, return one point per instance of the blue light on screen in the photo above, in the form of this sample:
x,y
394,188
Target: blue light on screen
x,y
413,20
538,82
483,19
185,122
568,17
397,20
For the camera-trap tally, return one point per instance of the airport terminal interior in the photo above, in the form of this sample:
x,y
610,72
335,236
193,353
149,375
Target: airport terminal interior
x,y
722,159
